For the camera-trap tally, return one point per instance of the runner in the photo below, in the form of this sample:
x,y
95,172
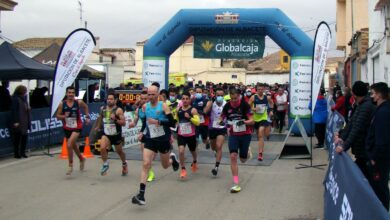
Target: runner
x,y
158,119
69,112
188,118
200,103
260,104
139,113
111,119
240,120
217,132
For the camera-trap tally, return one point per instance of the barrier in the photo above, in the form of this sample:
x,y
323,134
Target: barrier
x,y
347,195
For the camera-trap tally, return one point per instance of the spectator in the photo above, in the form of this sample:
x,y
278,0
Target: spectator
x,y
281,107
335,89
38,99
91,93
5,97
348,105
320,115
378,143
355,133
340,104
21,121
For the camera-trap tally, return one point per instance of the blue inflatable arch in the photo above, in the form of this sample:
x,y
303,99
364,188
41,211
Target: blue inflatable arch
x,y
272,22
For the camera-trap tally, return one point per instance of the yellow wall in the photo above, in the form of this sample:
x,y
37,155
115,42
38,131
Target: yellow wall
x,y
344,11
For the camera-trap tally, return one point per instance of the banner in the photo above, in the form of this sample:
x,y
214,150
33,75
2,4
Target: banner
x,y
130,134
74,52
38,135
153,71
322,41
222,46
300,87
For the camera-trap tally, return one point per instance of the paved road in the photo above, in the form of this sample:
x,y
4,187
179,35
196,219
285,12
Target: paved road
x,y
37,188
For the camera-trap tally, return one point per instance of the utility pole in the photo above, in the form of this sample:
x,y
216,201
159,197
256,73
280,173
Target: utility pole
x,y
81,13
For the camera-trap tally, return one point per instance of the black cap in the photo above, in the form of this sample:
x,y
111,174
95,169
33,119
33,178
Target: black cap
x,y
359,88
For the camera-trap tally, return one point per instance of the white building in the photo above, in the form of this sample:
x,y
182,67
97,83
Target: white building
x,y
378,56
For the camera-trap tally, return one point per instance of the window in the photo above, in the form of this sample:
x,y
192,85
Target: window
x,y
234,76
285,59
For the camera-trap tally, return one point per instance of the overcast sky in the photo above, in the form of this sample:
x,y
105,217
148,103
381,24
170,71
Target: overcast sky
x,y
122,23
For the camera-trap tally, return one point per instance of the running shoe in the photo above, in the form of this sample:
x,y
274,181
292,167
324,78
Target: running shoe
x,y
138,199
214,171
151,176
125,170
260,157
194,167
235,189
183,173
104,169
82,164
69,170
175,163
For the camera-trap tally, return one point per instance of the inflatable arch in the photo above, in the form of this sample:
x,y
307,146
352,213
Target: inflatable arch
x,y
236,22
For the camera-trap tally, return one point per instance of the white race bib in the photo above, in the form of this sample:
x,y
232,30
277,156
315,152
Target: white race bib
x,y
71,122
110,129
260,108
216,124
156,131
201,119
237,129
185,128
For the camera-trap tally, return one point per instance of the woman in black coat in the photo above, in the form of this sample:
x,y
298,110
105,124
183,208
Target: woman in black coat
x,y
21,121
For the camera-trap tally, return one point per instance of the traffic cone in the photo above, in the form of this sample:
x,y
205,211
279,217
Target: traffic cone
x,y
64,150
87,149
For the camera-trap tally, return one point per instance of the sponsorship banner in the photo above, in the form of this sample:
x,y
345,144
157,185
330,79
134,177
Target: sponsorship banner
x,y
300,87
347,194
130,134
74,52
153,71
238,47
321,47
38,135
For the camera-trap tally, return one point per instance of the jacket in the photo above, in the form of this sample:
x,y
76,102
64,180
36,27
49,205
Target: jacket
x,y
378,139
355,133
320,113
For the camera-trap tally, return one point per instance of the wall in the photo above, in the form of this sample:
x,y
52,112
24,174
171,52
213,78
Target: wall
x,y
267,78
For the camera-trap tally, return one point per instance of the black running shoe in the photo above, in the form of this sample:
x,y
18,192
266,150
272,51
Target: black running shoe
x,y
214,171
175,164
138,200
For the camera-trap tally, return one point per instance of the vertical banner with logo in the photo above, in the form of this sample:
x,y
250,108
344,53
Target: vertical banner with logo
x,y
153,71
300,86
320,52
74,52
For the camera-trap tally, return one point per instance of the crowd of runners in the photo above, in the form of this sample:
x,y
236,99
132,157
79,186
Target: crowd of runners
x,y
212,113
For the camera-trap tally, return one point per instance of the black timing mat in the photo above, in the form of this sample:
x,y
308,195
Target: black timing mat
x,y
204,157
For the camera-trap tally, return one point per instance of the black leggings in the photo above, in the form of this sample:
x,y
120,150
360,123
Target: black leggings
x,y
20,142
280,116
320,130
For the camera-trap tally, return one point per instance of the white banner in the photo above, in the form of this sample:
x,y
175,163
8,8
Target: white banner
x,y
300,86
130,134
321,47
154,71
74,52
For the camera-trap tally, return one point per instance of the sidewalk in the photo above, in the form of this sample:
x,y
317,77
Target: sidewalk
x,y
37,188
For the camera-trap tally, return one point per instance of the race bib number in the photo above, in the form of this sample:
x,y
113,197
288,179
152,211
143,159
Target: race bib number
x,y
185,128
216,124
71,122
156,131
201,119
260,109
237,129
110,129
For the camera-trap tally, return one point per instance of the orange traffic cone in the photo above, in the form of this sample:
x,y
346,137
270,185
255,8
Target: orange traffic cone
x,y
87,149
64,151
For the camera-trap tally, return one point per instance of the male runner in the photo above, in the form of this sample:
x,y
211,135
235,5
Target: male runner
x,y
200,103
188,118
158,119
260,104
69,112
112,119
217,132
